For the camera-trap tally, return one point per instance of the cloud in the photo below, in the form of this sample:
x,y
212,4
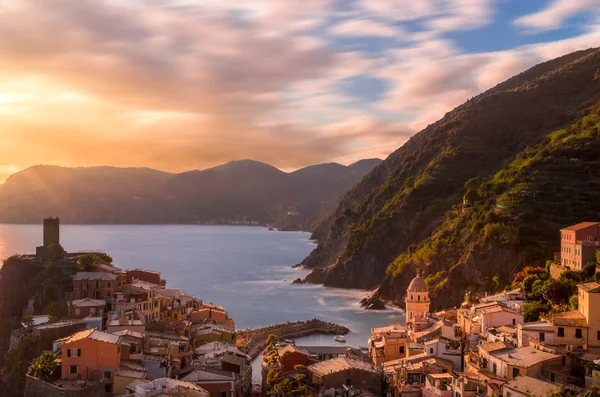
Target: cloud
x,y
364,28
556,13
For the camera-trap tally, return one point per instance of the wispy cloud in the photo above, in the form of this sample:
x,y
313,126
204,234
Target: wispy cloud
x,y
556,13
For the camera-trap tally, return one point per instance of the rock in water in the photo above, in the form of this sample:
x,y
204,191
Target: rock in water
x,y
372,303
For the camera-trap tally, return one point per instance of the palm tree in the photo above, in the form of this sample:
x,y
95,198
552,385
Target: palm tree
x,y
44,366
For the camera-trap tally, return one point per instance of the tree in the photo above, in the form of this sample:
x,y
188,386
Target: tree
x,y
44,366
56,251
533,310
558,291
28,321
56,310
528,282
86,262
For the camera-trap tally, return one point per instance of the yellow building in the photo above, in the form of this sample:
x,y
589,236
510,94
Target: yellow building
x,y
417,299
388,343
579,328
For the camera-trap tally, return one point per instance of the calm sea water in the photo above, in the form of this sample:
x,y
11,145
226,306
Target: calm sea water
x,y
245,269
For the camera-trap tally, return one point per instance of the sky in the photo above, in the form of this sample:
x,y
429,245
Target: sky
x,y
188,84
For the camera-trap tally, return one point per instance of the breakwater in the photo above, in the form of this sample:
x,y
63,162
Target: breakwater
x,y
256,338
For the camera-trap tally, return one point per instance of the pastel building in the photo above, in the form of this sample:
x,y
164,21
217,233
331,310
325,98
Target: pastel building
x,y
95,285
578,244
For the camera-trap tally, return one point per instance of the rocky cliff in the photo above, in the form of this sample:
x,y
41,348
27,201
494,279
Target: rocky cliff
x,y
408,212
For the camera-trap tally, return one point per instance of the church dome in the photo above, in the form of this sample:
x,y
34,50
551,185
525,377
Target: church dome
x,y
417,285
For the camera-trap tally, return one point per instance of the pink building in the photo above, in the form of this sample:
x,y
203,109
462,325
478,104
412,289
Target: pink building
x,y
578,244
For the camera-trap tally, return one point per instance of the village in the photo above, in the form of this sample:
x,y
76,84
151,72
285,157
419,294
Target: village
x,y
128,334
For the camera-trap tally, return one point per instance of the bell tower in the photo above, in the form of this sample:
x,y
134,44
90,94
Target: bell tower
x,y
417,299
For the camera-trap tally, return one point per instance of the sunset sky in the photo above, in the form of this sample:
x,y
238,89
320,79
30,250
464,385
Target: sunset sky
x,y
187,84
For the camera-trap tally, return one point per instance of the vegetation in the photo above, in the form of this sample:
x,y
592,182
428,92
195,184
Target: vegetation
x,y
44,367
86,262
15,368
478,195
277,379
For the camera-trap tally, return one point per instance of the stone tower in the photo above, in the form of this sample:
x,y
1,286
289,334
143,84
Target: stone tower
x,y
51,231
417,299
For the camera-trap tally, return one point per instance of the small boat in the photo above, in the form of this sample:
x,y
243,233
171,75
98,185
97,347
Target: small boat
x,y
363,348
290,341
340,338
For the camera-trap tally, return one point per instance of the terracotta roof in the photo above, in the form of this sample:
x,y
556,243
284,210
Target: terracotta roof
x,y
590,287
95,276
128,332
292,349
580,226
95,335
340,364
571,318
533,387
494,346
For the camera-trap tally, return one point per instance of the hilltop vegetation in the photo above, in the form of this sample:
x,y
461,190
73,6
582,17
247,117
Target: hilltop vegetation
x,y
477,196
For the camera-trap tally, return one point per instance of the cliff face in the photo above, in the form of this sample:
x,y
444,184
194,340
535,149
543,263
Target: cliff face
x,y
408,213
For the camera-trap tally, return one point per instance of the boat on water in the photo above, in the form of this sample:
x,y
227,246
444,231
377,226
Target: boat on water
x,y
363,348
339,338
290,341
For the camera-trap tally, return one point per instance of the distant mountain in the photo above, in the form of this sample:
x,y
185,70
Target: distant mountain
x,y
476,196
243,191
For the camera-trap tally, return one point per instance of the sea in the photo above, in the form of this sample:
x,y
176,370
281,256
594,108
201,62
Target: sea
x,y
248,270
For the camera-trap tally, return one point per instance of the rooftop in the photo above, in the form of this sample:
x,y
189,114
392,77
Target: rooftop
x,y
95,335
531,386
95,276
88,302
339,364
388,329
128,332
580,226
494,346
537,326
524,356
417,285
571,318
591,287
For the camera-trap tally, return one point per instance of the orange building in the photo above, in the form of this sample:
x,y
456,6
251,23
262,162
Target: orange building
x,y
578,244
91,355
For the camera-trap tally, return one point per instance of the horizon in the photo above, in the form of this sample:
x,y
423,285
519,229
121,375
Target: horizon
x,y
186,85
287,171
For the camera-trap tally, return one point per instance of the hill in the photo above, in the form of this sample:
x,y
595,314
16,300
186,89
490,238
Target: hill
x,y
523,156
242,191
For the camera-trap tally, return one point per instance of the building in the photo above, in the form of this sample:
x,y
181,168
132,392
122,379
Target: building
x,y
221,383
388,343
345,372
438,385
588,304
510,363
82,308
91,355
527,386
417,299
51,235
578,244
95,285
144,275
535,332
168,387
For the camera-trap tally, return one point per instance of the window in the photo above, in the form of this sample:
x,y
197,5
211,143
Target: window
x,y
84,285
108,388
514,321
412,297
418,297
223,393
74,352
578,333
107,375
431,350
97,284
561,331
542,337
401,349
108,285
92,311
77,311
508,394
73,369
598,335
552,377
515,372
348,382
107,293
494,368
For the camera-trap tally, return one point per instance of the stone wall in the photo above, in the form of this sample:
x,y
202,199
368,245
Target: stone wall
x,y
556,270
38,388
